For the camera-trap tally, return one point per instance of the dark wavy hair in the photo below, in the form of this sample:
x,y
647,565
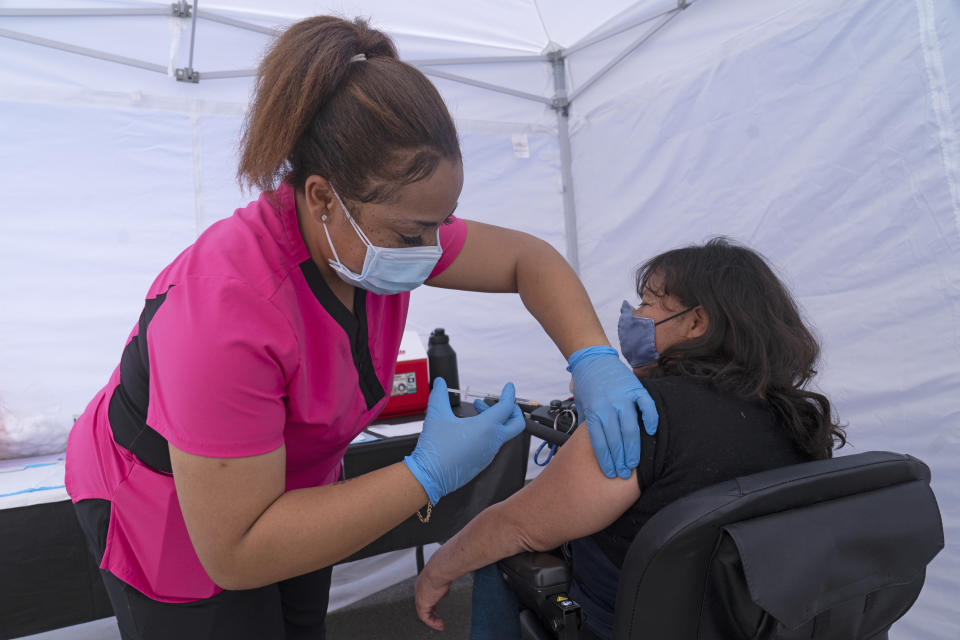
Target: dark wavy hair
x,y
756,344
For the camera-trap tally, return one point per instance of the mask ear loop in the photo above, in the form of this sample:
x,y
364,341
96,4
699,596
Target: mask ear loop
x,y
676,315
336,256
356,227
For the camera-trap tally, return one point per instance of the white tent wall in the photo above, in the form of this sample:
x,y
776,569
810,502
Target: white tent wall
x,y
822,136
110,171
820,133
90,214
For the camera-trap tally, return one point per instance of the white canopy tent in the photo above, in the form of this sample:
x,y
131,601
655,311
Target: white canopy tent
x,y
821,133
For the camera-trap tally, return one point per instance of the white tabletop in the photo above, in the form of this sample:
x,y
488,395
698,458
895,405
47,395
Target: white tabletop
x,y
38,480
28,481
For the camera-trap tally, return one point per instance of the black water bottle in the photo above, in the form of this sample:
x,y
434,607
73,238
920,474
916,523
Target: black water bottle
x,y
442,361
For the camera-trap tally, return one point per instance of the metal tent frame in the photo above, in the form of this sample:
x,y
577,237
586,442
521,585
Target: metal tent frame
x,y
560,102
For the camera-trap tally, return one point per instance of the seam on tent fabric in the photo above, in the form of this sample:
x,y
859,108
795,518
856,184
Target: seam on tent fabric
x,y
940,102
196,144
199,107
120,100
177,27
543,24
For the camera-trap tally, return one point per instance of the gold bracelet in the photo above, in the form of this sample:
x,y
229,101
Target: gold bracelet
x,y
425,519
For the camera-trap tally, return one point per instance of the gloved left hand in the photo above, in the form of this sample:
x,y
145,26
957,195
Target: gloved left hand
x,y
608,396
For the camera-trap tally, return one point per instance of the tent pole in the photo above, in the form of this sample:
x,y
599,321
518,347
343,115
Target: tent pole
x,y
583,44
83,51
188,74
485,85
561,105
193,34
497,60
63,13
673,13
234,73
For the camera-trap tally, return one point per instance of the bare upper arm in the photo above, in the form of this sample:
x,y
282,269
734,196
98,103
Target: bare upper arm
x,y
221,498
488,259
570,499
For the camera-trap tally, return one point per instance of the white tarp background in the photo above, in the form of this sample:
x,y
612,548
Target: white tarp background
x,y
821,133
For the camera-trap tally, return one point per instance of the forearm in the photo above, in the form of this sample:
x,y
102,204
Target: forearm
x,y
570,499
554,295
308,529
486,539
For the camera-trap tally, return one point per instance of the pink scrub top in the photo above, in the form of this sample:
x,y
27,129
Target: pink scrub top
x,y
241,348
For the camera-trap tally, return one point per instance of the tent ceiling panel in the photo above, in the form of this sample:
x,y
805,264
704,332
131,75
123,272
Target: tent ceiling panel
x,y
702,37
521,25
509,24
221,49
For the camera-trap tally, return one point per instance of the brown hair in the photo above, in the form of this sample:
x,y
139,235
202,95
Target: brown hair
x,y
367,126
756,344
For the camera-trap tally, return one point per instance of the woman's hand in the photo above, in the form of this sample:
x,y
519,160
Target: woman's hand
x,y
608,396
451,451
428,591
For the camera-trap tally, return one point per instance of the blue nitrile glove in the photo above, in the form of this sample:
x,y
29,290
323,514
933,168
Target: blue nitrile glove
x,y
608,396
451,451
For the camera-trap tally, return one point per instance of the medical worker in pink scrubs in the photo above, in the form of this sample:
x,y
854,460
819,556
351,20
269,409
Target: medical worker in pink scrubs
x,y
204,474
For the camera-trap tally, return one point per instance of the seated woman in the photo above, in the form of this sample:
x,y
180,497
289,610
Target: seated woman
x,y
721,347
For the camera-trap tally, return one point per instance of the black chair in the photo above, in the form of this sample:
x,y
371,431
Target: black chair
x,y
827,550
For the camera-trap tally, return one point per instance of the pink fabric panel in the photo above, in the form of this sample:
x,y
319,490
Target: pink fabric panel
x,y
219,353
94,465
452,237
145,514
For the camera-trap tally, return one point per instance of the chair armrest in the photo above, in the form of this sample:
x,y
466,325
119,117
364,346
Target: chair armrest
x,y
541,582
539,569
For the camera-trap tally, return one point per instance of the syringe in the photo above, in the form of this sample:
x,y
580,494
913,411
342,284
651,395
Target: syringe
x,y
523,402
542,423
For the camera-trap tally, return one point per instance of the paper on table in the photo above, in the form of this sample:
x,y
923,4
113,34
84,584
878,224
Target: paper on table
x,y
394,430
363,436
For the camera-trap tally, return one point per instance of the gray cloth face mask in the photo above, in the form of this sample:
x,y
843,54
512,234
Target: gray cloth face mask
x,y
638,336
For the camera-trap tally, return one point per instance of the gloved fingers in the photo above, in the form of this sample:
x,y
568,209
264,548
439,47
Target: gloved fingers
x,y
480,405
614,432
648,411
515,418
504,407
514,424
600,448
438,405
630,437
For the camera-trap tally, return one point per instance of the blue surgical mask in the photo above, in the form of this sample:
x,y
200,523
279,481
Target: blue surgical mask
x,y
638,342
386,270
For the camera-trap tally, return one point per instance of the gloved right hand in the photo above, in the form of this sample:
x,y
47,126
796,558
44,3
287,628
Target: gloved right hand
x,y
451,451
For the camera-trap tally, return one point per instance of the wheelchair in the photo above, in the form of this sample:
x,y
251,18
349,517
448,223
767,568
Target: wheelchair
x,y
825,550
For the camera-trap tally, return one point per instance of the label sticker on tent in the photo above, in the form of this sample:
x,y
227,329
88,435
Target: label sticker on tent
x,y
521,146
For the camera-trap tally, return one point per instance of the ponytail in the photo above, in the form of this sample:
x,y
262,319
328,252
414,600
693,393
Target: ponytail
x,y
366,123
